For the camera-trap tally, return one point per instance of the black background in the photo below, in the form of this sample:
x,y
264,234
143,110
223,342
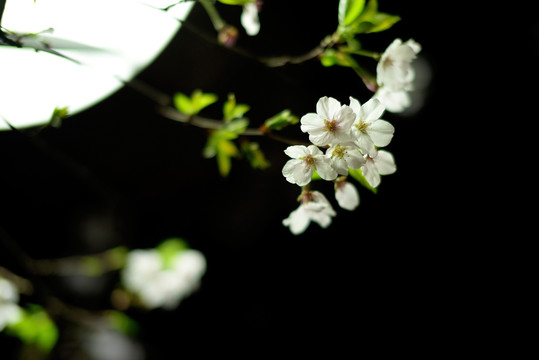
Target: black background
x,y
407,269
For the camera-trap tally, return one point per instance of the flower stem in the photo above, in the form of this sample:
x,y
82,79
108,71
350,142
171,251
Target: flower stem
x,y
217,21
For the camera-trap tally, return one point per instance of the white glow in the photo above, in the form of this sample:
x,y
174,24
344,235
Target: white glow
x,y
111,38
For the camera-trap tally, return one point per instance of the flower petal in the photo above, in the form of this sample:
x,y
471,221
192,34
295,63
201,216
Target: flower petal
x,y
297,221
372,110
296,151
381,132
385,163
326,107
311,122
324,169
347,195
370,172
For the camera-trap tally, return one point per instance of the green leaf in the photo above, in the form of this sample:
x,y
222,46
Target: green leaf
x,y
225,150
382,21
182,102
169,249
119,321
232,110
254,154
195,103
349,11
202,100
35,328
58,115
358,175
235,2
332,57
281,120
370,20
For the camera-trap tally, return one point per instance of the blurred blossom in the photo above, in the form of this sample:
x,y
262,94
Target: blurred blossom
x,y
249,18
10,312
395,74
163,285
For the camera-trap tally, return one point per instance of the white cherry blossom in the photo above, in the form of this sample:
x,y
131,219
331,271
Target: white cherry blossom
x,y
305,159
314,207
395,74
382,163
368,129
330,124
146,276
346,195
345,156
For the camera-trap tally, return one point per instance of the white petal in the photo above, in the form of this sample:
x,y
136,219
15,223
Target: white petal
x,y
345,117
324,169
354,159
326,107
385,163
355,105
372,110
297,172
381,132
370,172
340,165
365,143
249,18
311,122
395,101
347,196
297,221
296,151
314,150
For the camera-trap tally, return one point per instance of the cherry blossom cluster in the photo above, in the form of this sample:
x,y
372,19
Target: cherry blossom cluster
x,y
352,137
163,281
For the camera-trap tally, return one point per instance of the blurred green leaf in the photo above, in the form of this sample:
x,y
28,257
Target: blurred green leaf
x,y
358,175
195,103
233,110
58,115
169,249
235,2
368,21
120,322
35,328
349,11
332,57
254,154
281,120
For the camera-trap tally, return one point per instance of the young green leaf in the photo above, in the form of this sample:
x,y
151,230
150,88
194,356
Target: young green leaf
x,y
35,328
349,11
281,120
235,2
254,154
195,103
233,110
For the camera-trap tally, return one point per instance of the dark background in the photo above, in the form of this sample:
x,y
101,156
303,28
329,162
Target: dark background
x,y
408,267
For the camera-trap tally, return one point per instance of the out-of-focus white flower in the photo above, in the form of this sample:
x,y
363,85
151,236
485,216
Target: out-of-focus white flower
x,y
382,163
314,207
249,18
10,312
395,74
330,124
345,156
347,195
368,129
305,159
146,276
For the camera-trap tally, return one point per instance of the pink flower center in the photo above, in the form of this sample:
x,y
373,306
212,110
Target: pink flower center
x,y
331,126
